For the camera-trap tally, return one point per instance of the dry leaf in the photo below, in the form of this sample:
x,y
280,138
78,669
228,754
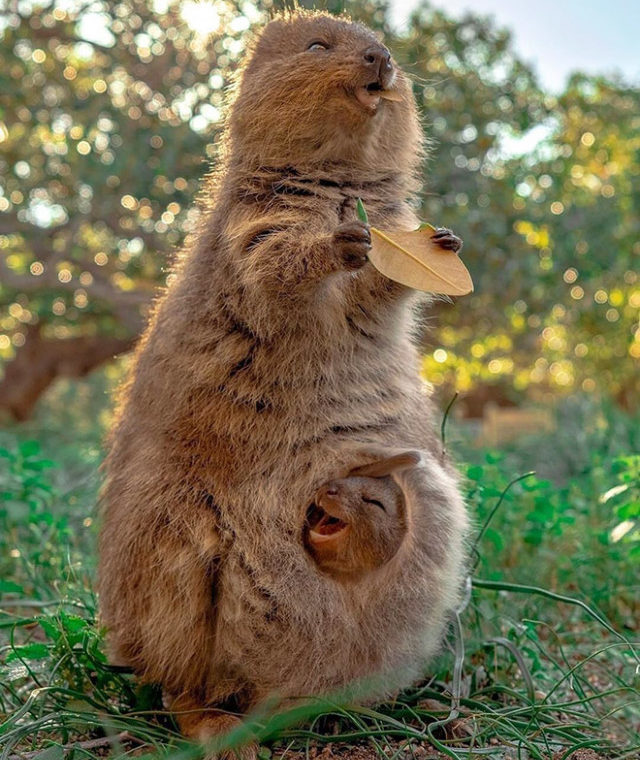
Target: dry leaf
x,y
414,260
390,95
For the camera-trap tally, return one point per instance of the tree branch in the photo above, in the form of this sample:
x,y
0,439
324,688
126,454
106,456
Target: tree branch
x,y
40,361
126,304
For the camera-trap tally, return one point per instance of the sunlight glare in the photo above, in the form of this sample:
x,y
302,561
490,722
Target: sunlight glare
x,y
201,16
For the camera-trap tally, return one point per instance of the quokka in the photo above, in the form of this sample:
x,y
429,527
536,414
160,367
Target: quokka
x,y
279,359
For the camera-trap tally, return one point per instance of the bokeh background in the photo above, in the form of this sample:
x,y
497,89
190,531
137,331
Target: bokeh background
x,y
110,114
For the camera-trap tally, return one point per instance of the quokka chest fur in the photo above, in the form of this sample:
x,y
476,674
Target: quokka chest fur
x,y
277,360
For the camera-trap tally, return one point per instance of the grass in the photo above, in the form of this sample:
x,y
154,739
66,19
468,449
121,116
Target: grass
x,y
541,662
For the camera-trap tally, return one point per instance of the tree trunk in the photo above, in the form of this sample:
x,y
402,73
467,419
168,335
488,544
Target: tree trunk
x,y
40,361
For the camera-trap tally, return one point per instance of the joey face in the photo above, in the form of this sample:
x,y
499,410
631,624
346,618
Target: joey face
x,y
319,84
355,525
358,523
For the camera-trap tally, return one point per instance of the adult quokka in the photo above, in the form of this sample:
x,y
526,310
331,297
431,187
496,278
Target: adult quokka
x,y
277,360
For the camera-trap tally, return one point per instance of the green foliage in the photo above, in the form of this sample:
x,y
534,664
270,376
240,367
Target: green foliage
x,y
625,502
27,499
569,527
551,236
105,115
573,524
534,663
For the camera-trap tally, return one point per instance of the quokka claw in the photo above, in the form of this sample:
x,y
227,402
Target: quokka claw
x,y
446,239
353,240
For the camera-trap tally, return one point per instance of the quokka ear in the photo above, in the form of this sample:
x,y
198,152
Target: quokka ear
x,y
384,467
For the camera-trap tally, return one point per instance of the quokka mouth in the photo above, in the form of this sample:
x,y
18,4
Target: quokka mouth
x,y
323,526
369,95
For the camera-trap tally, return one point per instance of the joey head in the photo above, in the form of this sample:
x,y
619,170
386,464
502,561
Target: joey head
x,y
356,524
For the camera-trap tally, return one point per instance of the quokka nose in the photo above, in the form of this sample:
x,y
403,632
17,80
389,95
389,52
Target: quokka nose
x,y
331,490
379,59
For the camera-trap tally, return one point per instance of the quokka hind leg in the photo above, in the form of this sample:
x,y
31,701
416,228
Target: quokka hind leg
x,y
205,724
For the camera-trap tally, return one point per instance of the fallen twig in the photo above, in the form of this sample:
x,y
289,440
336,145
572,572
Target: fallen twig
x,y
103,741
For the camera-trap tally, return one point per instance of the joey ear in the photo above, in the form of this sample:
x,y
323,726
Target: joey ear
x,y
388,466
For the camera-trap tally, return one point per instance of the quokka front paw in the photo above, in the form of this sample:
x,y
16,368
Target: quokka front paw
x,y
216,727
447,240
353,242
209,727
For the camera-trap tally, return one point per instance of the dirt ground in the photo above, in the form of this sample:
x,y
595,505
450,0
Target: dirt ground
x,y
398,749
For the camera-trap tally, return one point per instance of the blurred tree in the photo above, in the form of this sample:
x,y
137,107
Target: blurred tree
x,y
476,96
108,111
554,247
581,212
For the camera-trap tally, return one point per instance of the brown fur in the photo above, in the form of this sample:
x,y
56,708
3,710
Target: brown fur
x,y
274,363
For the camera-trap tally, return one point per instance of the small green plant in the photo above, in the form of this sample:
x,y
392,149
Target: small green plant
x,y
624,498
30,528
26,491
541,660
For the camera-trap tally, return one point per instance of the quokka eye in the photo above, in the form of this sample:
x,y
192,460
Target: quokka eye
x,y
374,501
317,45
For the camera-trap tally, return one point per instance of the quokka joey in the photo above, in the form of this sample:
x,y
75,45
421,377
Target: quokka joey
x,y
357,524
279,359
